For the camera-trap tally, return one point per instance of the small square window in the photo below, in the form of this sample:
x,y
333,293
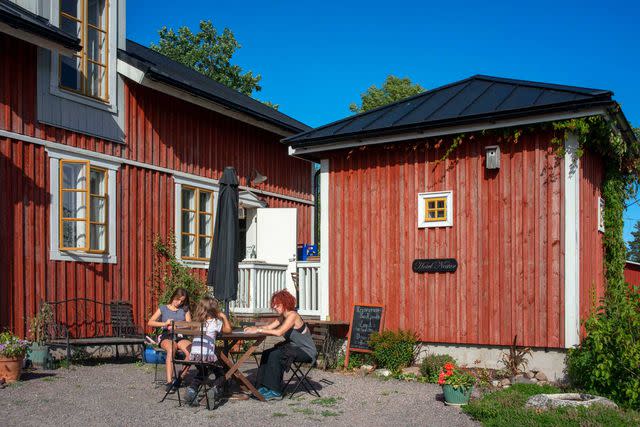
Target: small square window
x,y
435,209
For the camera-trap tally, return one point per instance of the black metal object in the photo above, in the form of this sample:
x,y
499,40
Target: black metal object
x,y
160,68
21,18
301,379
475,99
434,265
225,254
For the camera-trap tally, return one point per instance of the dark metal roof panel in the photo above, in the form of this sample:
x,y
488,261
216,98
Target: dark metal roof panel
x,y
19,17
462,100
171,72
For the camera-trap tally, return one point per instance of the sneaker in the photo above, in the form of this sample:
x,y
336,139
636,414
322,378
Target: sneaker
x,y
192,395
271,395
176,383
263,390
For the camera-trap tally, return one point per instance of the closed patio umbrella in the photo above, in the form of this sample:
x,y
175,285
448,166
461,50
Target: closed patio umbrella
x,y
223,265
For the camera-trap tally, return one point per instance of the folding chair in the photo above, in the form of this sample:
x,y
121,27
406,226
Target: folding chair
x,y
300,376
191,329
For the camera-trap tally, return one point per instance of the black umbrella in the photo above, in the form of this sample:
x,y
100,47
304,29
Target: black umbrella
x,y
223,266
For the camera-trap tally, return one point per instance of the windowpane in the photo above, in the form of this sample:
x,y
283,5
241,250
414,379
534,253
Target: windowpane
x,y
95,47
441,204
70,7
98,210
71,27
73,204
431,204
188,199
73,176
70,72
74,234
188,246
97,182
206,201
205,224
188,222
440,214
204,247
95,13
95,80
98,237
431,214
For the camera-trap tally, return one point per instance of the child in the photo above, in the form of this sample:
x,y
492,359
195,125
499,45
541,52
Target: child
x,y
203,349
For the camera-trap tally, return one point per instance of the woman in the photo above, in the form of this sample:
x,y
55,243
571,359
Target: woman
x,y
176,311
298,345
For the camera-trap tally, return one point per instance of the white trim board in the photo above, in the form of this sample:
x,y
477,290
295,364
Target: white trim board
x,y
119,160
324,239
571,243
542,118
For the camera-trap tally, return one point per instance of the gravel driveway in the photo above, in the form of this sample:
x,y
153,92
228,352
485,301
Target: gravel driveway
x,y
123,394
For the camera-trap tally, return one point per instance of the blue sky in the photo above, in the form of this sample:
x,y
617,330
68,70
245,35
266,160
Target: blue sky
x,y
317,57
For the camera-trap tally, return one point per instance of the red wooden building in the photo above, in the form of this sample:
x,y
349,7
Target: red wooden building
x,y
105,144
521,223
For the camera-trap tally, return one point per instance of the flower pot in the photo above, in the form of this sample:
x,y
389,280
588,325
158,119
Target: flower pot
x,y
11,368
456,396
39,355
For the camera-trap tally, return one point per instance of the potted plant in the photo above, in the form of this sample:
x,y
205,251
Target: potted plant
x,y
12,352
457,384
40,326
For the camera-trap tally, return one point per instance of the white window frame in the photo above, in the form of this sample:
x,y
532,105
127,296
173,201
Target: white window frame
x,y
448,221
112,46
55,254
179,182
601,214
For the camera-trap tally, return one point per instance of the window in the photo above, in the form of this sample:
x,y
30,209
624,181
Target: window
x,y
83,212
86,72
196,217
435,209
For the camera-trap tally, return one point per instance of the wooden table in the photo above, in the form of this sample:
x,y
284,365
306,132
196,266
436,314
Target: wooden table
x,y
234,368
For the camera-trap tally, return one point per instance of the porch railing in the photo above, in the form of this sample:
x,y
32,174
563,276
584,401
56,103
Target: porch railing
x,y
309,288
257,281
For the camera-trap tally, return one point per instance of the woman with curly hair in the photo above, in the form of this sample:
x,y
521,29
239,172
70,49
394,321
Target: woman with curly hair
x,y
298,345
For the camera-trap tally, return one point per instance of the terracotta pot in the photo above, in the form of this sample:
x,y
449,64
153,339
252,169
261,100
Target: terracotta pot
x,y
10,368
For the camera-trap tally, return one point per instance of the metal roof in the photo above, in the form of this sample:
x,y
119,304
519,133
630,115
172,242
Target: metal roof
x,y
160,68
21,18
475,99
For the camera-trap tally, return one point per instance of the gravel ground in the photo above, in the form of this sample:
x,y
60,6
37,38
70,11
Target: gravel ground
x,y
123,394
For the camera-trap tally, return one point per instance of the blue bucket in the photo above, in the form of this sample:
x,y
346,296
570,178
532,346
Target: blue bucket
x,y
152,355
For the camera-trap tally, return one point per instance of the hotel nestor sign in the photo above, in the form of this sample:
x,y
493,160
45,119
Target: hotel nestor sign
x,y
442,265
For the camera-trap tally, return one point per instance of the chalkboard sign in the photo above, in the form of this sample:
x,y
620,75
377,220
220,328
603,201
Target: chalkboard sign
x,y
435,265
365,320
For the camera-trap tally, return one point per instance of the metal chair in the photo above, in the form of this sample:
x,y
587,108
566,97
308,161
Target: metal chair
x,y
300,376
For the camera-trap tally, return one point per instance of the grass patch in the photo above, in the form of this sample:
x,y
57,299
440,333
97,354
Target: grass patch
x,y
278,414
327,413
49,379
305,411
326,401
506,408
293,404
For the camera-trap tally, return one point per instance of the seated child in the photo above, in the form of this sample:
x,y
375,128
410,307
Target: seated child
x,y
203,349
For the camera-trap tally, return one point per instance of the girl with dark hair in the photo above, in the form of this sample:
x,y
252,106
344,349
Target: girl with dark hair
x,y
298,345
176,311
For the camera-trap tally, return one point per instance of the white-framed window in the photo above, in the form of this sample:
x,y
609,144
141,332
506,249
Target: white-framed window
x,y
601,214
435,209
195,217
83,208
88,76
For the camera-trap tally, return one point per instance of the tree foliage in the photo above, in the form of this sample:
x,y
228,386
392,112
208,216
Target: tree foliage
x,y
393,89
633,254
209,53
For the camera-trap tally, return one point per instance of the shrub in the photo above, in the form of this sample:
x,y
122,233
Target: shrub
x,y
515,361
394,350
355,360
12,346
432,364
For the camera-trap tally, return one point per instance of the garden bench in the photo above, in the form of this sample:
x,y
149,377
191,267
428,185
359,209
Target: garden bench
x,y
113,327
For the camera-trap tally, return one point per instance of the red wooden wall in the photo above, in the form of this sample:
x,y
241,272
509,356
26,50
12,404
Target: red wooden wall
x,y
506,236
632,273
161,131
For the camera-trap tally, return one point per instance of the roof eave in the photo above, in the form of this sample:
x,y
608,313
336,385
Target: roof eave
x,y
46,36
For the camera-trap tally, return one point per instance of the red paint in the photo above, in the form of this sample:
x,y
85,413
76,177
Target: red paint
x,y
161,131
632,273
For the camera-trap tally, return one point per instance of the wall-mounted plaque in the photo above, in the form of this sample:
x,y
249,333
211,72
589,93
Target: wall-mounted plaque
x,y
440,265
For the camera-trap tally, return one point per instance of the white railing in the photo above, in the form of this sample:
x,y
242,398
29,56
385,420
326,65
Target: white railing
x,y
309,288
257,281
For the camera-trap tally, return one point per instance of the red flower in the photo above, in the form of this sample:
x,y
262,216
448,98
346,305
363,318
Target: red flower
x,y
441,378
449,367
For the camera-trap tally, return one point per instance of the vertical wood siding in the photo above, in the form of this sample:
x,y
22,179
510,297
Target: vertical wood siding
x,y
506,236
162,131
632,274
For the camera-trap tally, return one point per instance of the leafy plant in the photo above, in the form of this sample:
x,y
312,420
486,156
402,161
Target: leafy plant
x,y
12,346
40,324
355,360
169,274
515,361
432,365
455,377
394,350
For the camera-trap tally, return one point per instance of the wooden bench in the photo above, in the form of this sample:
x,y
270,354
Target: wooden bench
x,y
111,325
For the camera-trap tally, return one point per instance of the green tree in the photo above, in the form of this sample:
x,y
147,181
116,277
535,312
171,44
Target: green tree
x,y
271,104
209,53
393,89
633,253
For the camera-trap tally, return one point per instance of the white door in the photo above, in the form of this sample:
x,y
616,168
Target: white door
x,y
277,230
